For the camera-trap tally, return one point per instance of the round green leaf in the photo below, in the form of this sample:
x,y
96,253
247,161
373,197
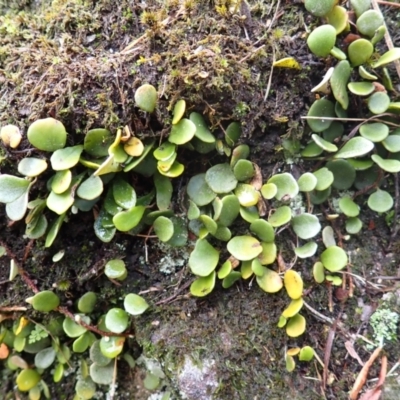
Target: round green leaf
x,y
369,22
306,353
353,225
182,132
44,301
116,320
293,308
375,132
27,379
97,141
110,346
343,172
90,188
243,170
286,185
324,178
270,281
319,8
44,358
87,302
247,195
221,179
268,253
61,181
280,216
72,329
115,269
296,326
322,40
47,134
146,97
230,210
378,103
126,220
361,88
102,375
263,230
66,158
380,201
244,247
360,51
306,225
204,258
85,388
269,191
348,207
229,280
164,228
334,258
31,166
135,304
322,109
392,143
124,194
233,133
203,286
96,356
199,191
311,150
307,182
355,147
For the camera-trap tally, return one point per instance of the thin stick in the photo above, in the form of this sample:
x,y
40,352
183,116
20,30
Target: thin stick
x,y
388,3
270,75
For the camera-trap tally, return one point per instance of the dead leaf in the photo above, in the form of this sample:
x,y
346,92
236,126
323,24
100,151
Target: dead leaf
x,y
4,351
350,348
362,376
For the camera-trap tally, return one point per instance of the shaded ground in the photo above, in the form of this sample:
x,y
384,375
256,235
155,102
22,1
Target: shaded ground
x,y
80,61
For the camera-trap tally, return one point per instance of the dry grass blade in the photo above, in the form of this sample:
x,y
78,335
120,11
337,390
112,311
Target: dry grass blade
x,y
362,376
375,393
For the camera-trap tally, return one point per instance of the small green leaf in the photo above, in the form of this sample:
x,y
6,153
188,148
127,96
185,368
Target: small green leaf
x,y
203,286
146,97
334,258
44,301
102,375
324,110
344,174
204,258
319,272
135,304
368,22
306,353
116,320
247,195
164,191
199,191
126,220
269,191
388,57
306,225
380,201
115,269
307,182
355,147
123,193
353,225
229,280
66,158
44,358
392,166
348,207
87,302
293,284
280,216
378,103
27,379
270,281
286,185
179,110
296,326
324,178
360,51
375,132
361,88
244,247
11,188
263,230
110,346
293,308
90,188
339,79
97,141
31,166
72,329
321,40
61,181
163,228
220,178
182,132
307,250
47,134
233,133
243,170
324,144
202,131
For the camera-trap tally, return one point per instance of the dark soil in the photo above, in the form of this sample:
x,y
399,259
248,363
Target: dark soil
x,y
80,62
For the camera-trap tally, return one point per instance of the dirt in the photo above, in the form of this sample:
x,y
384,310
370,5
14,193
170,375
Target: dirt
x,y
80,62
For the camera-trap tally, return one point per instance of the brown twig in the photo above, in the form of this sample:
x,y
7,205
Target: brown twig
x,y
388,3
